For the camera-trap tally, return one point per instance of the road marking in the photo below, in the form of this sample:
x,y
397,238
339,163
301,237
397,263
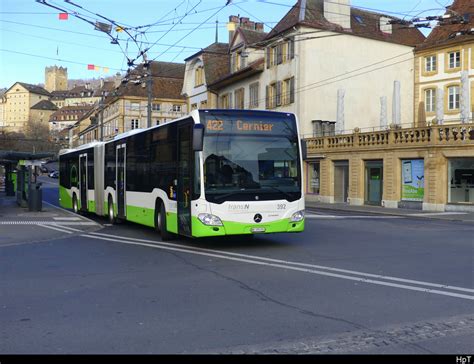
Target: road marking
x,y
67,218
302,267
32,222
339,270
55,228
70,228
311,216
69,212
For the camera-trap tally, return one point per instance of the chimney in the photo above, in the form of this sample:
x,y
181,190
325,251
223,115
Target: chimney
x,y
235,22
232,26
338,12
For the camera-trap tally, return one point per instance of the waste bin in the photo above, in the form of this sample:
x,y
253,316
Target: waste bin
x,y
35,197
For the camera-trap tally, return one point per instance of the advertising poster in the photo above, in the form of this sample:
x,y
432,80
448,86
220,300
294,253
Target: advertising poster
x,y
413,180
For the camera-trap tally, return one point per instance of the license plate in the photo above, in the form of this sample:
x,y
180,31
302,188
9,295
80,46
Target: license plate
x,y
258,230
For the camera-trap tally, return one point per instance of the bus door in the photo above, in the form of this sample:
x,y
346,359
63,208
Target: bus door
x,y
120,178
185,170
83,181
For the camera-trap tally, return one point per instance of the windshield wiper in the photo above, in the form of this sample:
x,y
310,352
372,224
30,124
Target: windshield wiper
x,y
287,194
225,195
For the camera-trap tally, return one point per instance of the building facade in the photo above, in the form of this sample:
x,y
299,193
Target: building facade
x,y
126,107
42,111
202,69
428,166
439,63
67,116
241,87
18,102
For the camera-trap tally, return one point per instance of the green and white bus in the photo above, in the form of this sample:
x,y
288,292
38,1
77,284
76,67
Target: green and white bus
x,y
212,173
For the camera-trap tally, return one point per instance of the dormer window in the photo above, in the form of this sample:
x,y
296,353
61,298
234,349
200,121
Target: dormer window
x,y
280,53
385,25
359,19
239,60
199,76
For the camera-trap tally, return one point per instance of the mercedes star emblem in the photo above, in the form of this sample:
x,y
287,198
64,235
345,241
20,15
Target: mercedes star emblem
x,y
257,218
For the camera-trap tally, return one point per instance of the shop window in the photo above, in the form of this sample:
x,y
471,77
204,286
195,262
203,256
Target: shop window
x,y
461,180
314,178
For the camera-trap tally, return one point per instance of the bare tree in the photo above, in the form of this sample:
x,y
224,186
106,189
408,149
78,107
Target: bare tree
x,y
35,138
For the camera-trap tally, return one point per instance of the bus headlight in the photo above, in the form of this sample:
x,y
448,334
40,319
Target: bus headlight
x,y
297,216
208,219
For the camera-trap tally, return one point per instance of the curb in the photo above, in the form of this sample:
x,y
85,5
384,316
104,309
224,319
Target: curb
x,y
389,213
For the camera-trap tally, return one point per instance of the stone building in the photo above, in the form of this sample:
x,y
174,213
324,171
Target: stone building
x,y
55,78
18,102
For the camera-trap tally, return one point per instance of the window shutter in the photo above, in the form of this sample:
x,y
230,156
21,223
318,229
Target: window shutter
x,y
278,94
232,62
292,90
268,56
279,55
266,97
291,47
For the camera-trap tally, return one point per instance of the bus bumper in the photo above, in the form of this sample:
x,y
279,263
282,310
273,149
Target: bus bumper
x,y
236,228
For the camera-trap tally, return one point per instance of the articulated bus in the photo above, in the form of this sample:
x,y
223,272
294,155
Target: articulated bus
x,y
212,173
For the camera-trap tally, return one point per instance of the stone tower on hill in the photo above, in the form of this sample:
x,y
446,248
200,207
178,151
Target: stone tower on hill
x,y
55,78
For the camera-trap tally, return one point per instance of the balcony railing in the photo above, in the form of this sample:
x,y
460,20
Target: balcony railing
x,y
434,135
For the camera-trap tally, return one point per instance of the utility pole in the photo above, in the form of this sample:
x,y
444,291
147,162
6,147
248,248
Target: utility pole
x,y
149,84
101,116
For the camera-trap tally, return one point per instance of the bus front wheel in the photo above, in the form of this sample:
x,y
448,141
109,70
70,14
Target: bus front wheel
x,y
160,223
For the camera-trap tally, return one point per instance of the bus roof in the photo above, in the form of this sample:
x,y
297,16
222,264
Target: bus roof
x,y
80,147
194,114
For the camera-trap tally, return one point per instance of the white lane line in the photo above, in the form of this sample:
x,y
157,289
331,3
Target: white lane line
x,y
55,228
46,222
311,216
69,228
67,218
339,270
211,253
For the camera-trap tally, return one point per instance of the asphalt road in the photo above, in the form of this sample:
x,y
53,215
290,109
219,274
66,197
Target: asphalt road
x,y
351,285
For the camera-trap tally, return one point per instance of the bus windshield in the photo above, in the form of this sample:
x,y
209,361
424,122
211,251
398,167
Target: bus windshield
x,y
251,157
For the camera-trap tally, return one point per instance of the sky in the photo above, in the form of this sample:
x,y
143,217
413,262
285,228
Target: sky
x,y
33,37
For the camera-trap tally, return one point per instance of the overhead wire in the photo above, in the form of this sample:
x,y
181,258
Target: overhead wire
x,y
170,46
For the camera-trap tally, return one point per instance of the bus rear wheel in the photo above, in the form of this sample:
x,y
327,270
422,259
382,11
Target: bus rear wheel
x,y
110,213
75,206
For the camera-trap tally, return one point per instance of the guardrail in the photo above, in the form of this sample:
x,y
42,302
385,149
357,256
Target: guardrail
x,y
434,135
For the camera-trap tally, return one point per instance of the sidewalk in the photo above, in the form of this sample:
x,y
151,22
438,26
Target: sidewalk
x,y
378,210
18,225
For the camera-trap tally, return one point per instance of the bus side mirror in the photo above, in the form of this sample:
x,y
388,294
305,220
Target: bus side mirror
x,y
304,150
198,137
